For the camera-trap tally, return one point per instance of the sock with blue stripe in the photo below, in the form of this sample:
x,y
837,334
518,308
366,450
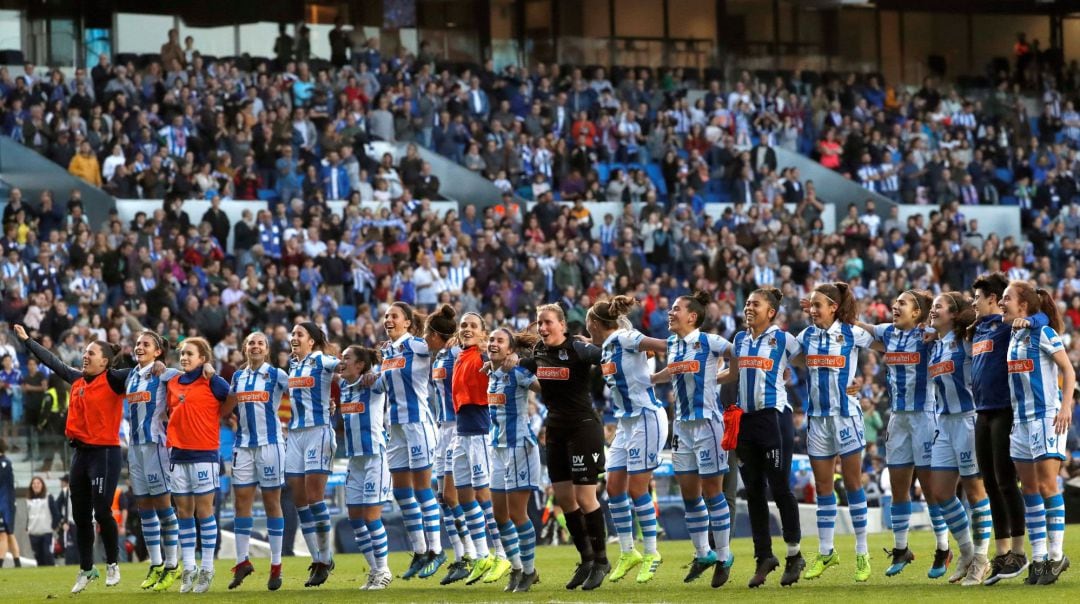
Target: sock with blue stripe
x,y
170,535
720,523
901,523
187,542
508,535
451,531
275,530
412,517
957,519
242,529
941,528
363,540
151,530
208,541
429,510
1055,525
307,527
857,510
981,523
826,522
527,546
646,517
493,528
619,506
474,517
462,528
1035,520
697,524
322,530
379,546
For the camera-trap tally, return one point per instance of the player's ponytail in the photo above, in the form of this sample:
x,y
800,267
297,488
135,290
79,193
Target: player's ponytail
x,y
1050,308
923,301
315,333
368,356
963,313
443,321
612,313
697,303
840,294
111,352
771,295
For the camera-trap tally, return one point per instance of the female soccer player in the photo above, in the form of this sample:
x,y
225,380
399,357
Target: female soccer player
x,y
575,439
259,456
406,373
700,462
95,411
640,434
439,336
195,408
148,459
911,424
835,428
1042,412
761,356
472,464
367,486
953,456
310,446
516,467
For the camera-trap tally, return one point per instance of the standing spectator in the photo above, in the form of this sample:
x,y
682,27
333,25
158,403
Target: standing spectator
x,y
339,43
872,422
85,165
10,408
7,508
42,518
171,50
283,47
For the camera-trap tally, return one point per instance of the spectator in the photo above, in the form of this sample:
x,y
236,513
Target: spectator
x,y
42,520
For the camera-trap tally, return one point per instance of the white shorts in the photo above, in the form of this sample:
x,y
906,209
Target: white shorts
x,y
638,442
195,478
444,450
1035,440
310,451
411,447
368,481
263,466
830,436
472,461
909,440
954,445
516,468
696,448
147,467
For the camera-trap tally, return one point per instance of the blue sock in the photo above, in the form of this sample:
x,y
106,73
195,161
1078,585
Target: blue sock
x,y
275,530
901,523
857,511
619,506
414,520
242,529
379,546
187,541
720,523
646,517
170,531
697,524
509,536
429,510
1055,525
208,541
474,517
527,546
151,530
307,527
363,539
826,522
492,527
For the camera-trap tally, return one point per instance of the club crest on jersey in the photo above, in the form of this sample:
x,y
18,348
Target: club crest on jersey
x,y
563,356
772,341
696,346
840,338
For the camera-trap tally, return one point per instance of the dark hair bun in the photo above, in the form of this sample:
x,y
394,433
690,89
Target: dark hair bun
x,y
701,298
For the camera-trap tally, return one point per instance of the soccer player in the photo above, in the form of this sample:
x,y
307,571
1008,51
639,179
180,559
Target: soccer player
x,y
831,347
367,486
516,465
694,359
439,330
310,445
406,372
953,456
761,356
472,464
259,458
196,405
640,433
1042,413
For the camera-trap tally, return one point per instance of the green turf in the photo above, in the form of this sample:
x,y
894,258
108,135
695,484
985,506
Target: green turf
x,y
556,564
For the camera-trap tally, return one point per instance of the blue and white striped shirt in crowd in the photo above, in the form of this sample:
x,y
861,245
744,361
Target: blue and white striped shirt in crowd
x,y
508,403
890,180
626,372
309,390
406,373
950,374
907,357
458,275
145,398
693,363
761,363
832,362
258,396
867,173
1033,374
362,411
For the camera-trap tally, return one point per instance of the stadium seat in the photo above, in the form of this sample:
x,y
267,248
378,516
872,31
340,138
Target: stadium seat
x,y
657,177
11,56
347,313
123,58
146,59
268,195
1004,175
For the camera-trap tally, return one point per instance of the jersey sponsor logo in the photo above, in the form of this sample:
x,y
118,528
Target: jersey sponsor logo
x,y
138,397
394,363
304,381
607,369
258,396
826,360
684,367
942,368
438,373
1021,366
763,363
902,358
553,373
982,347
357,407
496,398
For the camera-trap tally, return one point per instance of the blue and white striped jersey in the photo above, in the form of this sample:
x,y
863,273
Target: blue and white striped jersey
x,y
626,372
406,373
762,363
309,390
442,377
258,396
363,411
907,357
508,403
1033,374
693,363
146,404
950,374
832,361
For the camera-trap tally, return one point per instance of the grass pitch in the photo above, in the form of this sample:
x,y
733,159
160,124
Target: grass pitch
x,y
556,564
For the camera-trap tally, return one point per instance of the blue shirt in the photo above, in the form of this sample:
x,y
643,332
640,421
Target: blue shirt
x,y
989,347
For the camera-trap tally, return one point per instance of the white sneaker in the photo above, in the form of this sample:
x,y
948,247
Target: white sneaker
x,y
187,580
202,583
83,579
369,581
112,575
962,567
380,579
977,571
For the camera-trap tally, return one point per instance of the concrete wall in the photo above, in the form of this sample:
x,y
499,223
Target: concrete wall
x,y
1001,220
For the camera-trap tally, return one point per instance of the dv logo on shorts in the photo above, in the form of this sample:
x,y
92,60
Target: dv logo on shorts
x,y
845,433
927,447
204,474
269,470
634,453
965,457
152,477
477,469
369,487
577,461
312,453
416,450
704,455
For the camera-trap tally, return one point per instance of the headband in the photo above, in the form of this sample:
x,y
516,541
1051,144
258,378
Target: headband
x,y
483,323
918,300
